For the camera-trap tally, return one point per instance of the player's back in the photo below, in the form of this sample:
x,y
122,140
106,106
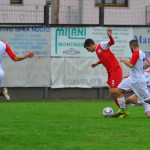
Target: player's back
x,y
2,50
137,70
107,58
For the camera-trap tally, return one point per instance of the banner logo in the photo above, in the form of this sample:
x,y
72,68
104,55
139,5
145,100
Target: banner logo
x,y
72,34
71,51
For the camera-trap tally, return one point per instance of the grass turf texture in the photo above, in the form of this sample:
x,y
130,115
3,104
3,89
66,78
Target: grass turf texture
x,y
70,125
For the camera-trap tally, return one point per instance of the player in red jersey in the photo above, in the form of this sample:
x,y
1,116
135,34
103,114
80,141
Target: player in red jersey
x,y
4,48
109,61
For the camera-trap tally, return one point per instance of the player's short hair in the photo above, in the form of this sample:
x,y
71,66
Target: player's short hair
x,y
134,43
88,42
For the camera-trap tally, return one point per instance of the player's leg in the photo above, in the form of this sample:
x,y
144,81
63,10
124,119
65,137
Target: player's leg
x,y
141,90
131,99
115,99
148,101
125,85
114,80
111,89
147,109
4,91
148,114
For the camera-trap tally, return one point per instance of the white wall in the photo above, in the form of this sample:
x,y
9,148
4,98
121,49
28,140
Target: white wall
x,y
32,11
134,14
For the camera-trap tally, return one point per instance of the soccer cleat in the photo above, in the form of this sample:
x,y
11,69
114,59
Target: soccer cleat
x,y
127,113
122,116
5,94
124,113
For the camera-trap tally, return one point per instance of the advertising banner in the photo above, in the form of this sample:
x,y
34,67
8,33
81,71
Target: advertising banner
x,y
24,39
142,35
69,42
77,72
34,72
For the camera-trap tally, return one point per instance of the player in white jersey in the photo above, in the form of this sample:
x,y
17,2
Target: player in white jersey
x,y
137,101
136,81
4,48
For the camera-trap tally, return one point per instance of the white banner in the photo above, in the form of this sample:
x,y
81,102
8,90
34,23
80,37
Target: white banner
x,y
142,34
70,41
24,39
34,72
77,72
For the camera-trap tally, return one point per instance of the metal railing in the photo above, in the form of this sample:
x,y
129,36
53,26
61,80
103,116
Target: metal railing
x,y
23,14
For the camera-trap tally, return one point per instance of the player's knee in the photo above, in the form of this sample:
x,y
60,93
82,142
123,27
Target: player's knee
x,y
113,93
148,101
118,92
148,115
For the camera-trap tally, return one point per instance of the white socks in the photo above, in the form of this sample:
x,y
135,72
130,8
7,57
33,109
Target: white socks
x,y
121,102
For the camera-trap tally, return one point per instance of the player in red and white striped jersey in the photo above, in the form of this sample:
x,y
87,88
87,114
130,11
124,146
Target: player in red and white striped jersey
x,y
136,81
109,61
4,48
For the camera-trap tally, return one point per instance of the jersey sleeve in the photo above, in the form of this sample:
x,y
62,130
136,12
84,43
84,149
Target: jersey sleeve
x,y
111,42
105,45
135,57
9,52
99,62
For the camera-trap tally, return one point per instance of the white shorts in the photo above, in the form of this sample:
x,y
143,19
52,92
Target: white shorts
x,y
140,88
142,103
2,74
146,105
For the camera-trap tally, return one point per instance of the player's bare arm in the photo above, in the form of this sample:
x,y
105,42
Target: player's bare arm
x,y
109,32
126,76
19,58
127,63
94,65
146,66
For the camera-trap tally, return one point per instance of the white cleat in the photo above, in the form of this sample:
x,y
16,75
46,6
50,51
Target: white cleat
x,y
5,94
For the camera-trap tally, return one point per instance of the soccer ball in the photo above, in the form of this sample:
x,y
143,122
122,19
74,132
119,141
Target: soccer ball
x,y
108,112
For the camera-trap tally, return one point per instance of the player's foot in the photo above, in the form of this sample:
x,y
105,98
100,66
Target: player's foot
x,y
118,113
124,113
5,94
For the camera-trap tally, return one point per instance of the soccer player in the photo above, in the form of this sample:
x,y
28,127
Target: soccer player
x,y
136,81
4,48
109,61
137,101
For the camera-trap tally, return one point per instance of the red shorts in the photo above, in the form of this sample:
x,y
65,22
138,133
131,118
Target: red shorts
x,y
114,78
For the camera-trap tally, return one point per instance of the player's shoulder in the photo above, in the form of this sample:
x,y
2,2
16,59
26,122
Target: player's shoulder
x,y
3,44
142,54
138,53
97,46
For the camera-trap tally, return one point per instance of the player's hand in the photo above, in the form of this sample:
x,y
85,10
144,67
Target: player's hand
x,y
93,65
109,32
121,59
30,54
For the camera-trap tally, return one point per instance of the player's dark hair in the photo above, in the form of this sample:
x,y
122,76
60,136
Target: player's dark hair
x,y
88,42
134,43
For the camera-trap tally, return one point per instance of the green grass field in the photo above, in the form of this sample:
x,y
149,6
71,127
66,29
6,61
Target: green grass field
x,y
71,125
